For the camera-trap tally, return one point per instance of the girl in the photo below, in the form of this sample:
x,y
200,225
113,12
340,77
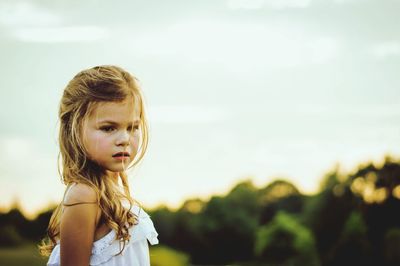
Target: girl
x,y
103,132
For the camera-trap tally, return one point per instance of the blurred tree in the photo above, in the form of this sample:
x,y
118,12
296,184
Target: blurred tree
x,y
376,188
16,223
392,247
188,236
327,212
9,236
353,247
284,241
165,221
38,227
228,225
277,196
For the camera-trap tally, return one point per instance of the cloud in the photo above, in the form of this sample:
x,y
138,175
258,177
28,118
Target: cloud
x,y
348,1
272,4
61,34
385,49
187,114
24,13
323,49
238,46
245,4
30,22
16,149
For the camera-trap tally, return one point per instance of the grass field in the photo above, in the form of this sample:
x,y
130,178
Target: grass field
x,y
19,256
27,255
164,256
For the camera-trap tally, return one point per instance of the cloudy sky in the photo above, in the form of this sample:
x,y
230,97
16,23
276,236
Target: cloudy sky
x,y
234,89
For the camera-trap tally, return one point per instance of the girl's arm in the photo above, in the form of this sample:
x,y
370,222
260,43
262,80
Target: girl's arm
x,y
78,225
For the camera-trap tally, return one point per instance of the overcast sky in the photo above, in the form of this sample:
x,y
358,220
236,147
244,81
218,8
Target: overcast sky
x,y
234,89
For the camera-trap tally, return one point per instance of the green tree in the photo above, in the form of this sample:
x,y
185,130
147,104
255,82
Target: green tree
x,y
377,188
353,246
392,247
14,225
277,196
229,224
10,236
188,236
285,241
326,212
165,221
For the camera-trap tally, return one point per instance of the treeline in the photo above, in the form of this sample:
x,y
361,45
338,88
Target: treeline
x,y
16,229
353,220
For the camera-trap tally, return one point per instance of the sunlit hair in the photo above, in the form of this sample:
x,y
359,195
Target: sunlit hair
x,y
83,93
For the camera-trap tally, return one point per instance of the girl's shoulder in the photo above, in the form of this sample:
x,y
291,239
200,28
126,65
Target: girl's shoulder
x,y
80,202
79,193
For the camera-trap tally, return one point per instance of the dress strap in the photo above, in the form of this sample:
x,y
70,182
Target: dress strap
x,y
77,203
73,204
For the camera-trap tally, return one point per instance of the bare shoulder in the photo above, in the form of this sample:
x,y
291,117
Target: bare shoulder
x,y
78,224
80,193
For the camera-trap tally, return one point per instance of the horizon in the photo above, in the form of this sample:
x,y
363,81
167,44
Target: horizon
x,y
32,215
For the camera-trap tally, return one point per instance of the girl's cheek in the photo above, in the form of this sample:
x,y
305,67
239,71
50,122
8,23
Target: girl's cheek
x,y
135,142
100,142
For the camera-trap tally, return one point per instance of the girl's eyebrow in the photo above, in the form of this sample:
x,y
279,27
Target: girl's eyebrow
x,y
115,123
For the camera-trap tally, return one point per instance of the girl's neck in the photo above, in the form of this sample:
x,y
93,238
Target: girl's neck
x,y
114,176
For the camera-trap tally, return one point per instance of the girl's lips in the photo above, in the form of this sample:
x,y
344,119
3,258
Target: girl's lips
x,y
121,157
121,154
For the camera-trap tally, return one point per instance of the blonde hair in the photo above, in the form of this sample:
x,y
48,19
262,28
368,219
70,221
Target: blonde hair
x,y
89,87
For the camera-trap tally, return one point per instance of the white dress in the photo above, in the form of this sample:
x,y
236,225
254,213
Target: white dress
x,y
136,252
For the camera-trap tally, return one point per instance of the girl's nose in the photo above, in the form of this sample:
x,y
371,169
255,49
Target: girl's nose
x,y
123,138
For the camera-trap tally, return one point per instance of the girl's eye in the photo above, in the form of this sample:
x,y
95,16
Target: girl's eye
x,y
107,129
135,128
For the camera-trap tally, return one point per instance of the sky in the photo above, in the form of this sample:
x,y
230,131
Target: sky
x,y
234,89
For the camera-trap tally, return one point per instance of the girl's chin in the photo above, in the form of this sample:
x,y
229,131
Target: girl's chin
x,y
120,168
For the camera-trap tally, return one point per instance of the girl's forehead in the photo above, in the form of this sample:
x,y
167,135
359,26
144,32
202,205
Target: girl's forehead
x,y
127,110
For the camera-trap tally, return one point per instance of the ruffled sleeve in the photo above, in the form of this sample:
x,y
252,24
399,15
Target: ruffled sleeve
x,y
107,247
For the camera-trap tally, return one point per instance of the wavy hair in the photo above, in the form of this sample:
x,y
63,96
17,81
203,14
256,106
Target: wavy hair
x,y
89,87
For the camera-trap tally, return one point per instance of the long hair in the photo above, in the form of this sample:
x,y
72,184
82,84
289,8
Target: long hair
x,y
89,87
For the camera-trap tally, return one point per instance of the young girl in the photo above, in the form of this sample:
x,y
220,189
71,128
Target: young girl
x,y
103,132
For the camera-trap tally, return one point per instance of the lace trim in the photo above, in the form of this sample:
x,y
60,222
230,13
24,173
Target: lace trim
x,y
107,247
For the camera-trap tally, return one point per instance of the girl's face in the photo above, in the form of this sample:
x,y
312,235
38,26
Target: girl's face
x,y
111,134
